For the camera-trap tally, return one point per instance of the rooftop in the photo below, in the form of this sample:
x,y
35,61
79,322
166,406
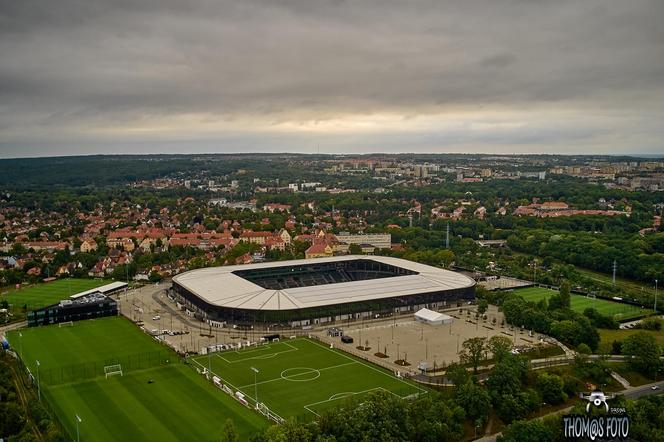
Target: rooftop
x,y
224,287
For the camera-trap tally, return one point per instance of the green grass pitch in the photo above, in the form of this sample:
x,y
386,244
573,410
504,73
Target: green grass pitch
x,y
41,295
579,303
301,377
178,404
91,343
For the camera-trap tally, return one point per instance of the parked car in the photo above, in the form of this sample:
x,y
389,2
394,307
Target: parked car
x,y
347,339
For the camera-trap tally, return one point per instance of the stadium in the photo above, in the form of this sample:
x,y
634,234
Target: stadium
x,y
318,291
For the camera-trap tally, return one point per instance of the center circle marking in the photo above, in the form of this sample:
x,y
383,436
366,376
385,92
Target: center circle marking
x,y
300,374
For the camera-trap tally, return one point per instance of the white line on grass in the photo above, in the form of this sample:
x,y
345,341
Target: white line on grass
x,y
339,352
264,356
336,397
282,379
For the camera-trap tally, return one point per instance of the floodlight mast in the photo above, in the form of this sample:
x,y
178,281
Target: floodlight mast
x,y
255,370
78,434
38,383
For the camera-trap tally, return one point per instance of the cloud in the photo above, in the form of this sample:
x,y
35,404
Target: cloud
x,y
86,73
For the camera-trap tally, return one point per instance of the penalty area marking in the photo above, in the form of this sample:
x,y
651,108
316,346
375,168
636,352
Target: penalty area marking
x,y
337,396
263,356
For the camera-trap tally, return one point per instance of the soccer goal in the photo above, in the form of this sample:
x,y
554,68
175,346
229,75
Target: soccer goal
x,y
112,370
66,324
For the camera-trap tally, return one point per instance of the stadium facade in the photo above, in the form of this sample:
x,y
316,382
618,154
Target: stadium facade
x,y
318,291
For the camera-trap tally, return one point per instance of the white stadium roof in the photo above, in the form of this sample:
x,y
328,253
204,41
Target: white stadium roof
x,y
219,286
104,289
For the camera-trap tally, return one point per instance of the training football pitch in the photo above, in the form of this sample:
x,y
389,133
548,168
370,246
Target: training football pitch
x,y
155,398
579,303
300,377
41,295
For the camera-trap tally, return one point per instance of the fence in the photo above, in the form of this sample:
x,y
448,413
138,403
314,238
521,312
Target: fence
x,y
236,394
93,369
28,381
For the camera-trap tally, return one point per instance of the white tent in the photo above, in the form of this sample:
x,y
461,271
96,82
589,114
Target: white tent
x,y
433,318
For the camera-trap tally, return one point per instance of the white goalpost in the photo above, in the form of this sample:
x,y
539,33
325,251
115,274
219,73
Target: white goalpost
x,y
113,370
66,324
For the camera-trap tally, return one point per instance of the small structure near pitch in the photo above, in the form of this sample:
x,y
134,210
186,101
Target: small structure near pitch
x,y
432,318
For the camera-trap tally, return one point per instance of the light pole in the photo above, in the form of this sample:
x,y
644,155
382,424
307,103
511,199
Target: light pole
x,y
655,297
78,434
209,362
255,370
20,342
38,384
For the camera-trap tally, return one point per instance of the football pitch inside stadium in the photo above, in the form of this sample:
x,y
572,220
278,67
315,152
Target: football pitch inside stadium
x,y
579,303
300,377
155,397
41,295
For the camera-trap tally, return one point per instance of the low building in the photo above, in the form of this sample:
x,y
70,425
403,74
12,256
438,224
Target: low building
x,y
378,240
94,305
432,318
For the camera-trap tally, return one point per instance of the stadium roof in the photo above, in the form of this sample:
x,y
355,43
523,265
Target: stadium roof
x,y
221,287
104,289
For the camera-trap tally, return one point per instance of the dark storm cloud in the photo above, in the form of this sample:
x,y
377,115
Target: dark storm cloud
x,y
73,67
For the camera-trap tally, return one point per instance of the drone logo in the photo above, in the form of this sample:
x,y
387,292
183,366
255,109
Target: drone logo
x,y
597,398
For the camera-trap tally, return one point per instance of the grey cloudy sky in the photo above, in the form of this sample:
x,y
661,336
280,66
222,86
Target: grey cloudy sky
x,y
129,76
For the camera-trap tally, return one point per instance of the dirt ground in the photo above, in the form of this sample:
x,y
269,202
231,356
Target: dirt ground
x,y
438,345
400,337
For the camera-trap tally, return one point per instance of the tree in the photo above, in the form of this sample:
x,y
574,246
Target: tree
x,y
228,432
473,351
457,374
475,399
565,297
355,249
482,306
507,375
583,349
499,346
527,431
550,387
643,352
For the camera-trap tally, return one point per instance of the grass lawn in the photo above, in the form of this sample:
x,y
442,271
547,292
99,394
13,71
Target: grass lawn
x,y
41,295
617,310
608,336
178,405
82,350
301,377
634,378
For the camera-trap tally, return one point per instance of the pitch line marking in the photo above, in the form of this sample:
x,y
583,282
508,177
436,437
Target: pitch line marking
x,y
281,379
335,398
306,371
267,356
340,353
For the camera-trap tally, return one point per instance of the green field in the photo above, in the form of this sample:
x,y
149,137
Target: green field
x,y
156,398
68,353
301,377
608,336
617,310
41,295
